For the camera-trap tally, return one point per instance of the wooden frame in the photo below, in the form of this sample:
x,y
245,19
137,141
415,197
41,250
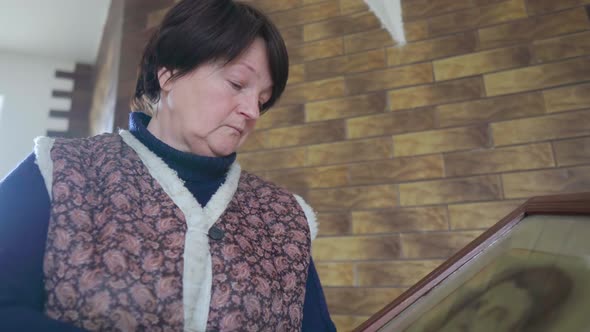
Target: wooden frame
x,y
567,204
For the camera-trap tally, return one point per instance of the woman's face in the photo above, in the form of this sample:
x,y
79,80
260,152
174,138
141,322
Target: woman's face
x,y
212,110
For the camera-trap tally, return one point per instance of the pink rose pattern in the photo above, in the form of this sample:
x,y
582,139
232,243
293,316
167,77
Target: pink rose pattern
x,y
260,265
113,260
115,243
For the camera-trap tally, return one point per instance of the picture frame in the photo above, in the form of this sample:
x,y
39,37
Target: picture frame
x,y
532,263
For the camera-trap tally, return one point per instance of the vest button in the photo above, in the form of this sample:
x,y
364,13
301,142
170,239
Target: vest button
x,y
215,233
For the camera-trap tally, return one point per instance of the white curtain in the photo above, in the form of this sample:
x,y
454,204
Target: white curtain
x,y
390,14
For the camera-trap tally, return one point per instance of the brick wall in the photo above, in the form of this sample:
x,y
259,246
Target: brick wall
x,y
408,153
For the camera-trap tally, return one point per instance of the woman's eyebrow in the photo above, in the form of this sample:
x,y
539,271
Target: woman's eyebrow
x,y
249,68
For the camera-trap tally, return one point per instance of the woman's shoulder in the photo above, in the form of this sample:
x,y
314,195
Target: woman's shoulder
x,y
47,143
76,145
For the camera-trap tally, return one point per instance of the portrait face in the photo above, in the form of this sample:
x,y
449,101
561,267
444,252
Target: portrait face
x,y
212,110
500,308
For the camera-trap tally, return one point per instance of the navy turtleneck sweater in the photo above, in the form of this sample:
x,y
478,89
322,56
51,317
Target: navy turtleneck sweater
x,y
24,217
201,175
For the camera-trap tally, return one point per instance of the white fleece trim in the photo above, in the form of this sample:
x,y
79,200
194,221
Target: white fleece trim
x,y
310,216
219,201
43,146
196,309
198,272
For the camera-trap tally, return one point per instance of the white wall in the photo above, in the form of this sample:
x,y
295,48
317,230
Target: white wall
x,y
26,83
62,29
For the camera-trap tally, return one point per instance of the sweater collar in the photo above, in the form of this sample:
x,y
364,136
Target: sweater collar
x,y
189,166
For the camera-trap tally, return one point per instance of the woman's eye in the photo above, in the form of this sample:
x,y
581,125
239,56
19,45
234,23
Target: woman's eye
x,y
236,86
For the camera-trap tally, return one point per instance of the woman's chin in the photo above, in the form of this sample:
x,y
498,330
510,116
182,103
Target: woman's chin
x,y
224,150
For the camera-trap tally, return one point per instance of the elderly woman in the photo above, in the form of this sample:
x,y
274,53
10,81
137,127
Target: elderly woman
x,y
157,228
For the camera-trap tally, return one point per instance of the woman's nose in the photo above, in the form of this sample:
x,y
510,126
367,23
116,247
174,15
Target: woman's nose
x,y
251,107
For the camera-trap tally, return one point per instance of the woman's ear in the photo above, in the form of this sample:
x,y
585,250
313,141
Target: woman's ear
x,y
164,75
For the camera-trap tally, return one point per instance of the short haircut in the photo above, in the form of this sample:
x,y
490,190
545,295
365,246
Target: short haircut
x,y
196,32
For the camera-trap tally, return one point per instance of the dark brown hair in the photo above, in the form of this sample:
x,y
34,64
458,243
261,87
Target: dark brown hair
x,y
195,32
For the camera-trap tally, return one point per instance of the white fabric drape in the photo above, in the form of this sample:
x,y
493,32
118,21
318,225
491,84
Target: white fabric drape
x,y
389,13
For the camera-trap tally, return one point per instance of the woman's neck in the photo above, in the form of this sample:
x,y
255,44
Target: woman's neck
x,y
189,166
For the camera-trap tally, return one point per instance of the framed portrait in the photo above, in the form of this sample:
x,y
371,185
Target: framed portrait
x,y
529,272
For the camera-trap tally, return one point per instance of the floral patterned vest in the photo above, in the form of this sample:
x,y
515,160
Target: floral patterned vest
x,y
130,249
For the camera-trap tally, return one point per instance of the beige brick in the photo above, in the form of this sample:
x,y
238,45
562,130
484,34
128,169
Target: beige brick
x,y
301,93
345,152
491,109
517,158
396,273
336,274
561,47
390,123
340,26
481,63
435,245
486,2
345,107
254,142
296,74
359,301
306,14
554,126
478,17
268,160
567,98
281,116
431,49
442,140
469,189
269,6
548,182
379,38
536,7
440,93
367,41
345,64
312,133
365,197
538,77
310,177
356,248
572,152
400,220
524,31
429,8
416,30
480,215
316,50
334,223
389,78
352,6
397,170
292,36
